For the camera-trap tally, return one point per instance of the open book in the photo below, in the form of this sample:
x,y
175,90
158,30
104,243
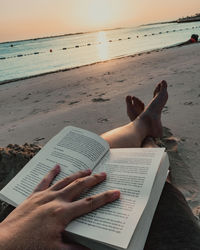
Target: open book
x,y
138,173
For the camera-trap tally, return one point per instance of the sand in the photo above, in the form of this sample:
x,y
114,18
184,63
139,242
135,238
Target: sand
x,y
93,97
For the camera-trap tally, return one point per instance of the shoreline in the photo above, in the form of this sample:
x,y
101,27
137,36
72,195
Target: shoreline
x,y
86,65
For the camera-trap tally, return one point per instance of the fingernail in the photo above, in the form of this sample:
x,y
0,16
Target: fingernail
x,y
57,168
88,171
116,195
103,174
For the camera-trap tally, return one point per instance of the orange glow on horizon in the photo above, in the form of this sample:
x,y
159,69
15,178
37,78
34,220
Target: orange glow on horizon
x,y
24,19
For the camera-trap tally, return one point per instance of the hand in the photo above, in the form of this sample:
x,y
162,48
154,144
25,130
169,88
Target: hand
x,y
39,222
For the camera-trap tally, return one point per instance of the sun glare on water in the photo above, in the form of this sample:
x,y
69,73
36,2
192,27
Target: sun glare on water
x,y
103,46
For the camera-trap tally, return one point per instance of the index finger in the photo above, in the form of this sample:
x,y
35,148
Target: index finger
x,y
47,180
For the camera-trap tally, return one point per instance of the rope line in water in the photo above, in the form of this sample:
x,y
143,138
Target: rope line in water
x,y
90,44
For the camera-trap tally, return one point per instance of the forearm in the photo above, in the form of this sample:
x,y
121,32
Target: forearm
x,y
6,241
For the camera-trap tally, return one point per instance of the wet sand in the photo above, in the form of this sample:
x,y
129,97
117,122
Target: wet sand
x,y
93,97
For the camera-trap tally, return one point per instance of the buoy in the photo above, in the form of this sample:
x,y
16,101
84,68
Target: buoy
x,y
50,50
11,45
64,48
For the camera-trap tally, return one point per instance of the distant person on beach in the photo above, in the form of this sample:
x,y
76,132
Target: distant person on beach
x,y
173,226
193,39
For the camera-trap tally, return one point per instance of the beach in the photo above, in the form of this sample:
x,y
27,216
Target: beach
x,y
93,97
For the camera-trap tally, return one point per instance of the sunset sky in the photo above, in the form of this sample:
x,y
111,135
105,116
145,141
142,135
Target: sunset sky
x,y
23,19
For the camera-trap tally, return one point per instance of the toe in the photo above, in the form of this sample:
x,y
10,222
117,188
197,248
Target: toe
x,y
163,84
129,100
138,103
157,89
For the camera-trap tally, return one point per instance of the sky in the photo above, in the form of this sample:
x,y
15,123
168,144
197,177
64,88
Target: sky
x,y
24,19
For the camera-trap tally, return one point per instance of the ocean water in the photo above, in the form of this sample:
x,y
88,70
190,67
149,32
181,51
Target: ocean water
x,y
32,57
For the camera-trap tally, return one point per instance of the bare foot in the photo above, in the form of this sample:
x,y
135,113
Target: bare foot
x,y
134,107
152,113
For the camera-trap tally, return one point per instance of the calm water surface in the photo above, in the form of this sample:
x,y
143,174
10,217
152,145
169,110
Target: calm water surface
x,y
33,57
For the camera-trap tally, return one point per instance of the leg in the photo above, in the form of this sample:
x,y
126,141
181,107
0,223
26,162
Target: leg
x,y
148,123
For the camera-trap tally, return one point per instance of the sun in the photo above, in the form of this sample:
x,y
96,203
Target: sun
x,y
99,12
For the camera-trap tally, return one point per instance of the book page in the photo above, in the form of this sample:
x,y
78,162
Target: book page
x,y
132,171
73,149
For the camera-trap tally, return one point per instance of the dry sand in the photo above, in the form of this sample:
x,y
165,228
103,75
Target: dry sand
x,y
93,97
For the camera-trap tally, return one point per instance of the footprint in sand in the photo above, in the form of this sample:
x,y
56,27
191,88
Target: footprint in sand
x,y
61,101
35,111
107,73
39,139
73,102
101,94
121,80
10,130
165,110
102,120
90,78
100,100
183,139
188,103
